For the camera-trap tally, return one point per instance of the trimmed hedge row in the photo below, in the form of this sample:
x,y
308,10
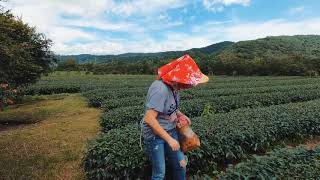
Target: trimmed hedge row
x,y
230,137
283,163
111,103
115,155
53,89
225,138
259,83
119,117
96,98
228,103
110,99
204,93
122,102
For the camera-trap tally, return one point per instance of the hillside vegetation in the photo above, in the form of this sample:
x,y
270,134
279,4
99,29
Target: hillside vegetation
x,y
134,57
278,55
289,55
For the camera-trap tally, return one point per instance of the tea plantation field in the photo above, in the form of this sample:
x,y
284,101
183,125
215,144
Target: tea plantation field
x,y
244,124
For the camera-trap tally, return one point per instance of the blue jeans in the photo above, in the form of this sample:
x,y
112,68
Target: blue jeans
x,y
157,150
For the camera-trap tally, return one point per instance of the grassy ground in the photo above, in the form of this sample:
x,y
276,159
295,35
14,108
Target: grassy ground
x,y
33,109
51,148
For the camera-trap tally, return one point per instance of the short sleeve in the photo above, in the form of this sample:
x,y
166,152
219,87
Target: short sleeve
x,y
157,98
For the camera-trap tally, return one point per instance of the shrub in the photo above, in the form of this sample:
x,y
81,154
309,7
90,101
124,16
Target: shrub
x,y
51,89
193,108
116,155
120,117
283,163
122,102
225,138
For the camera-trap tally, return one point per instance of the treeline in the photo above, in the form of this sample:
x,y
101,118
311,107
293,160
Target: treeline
x,y
282,55
290,65
115,67
134,57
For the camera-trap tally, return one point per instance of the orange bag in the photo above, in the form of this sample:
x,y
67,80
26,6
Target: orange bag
x,y
188,139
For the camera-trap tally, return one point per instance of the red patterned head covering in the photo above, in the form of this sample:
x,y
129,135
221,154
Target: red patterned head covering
x,y
183,72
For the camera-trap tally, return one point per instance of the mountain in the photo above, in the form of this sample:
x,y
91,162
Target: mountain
x,y
273,47
134,57
277,55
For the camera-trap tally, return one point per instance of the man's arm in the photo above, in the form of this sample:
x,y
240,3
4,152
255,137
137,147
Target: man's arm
x,y
150,119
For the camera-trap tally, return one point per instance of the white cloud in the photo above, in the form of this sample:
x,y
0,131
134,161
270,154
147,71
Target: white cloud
x,y
145,7
70,37
49,17
92,48
213,32
103,25
218,5
272,28
231,31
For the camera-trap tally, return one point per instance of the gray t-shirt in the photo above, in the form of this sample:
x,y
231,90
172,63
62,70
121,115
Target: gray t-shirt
x,y
161,98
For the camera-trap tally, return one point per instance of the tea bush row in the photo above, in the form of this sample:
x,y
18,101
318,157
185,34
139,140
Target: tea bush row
x,y
51,89
283,163
230,137
97,97
258,83
119,117
225,138
200,93
110,99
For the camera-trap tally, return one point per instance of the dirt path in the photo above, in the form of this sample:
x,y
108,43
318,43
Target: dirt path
x,y
53,147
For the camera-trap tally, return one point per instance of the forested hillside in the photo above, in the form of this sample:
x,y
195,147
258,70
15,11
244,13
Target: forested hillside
x,y
278,55
134,57
290,55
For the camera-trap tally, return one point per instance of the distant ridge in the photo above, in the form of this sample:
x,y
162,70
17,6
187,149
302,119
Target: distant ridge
x,y
133,57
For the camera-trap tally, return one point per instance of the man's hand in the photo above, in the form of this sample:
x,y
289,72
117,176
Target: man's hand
x,y
174,144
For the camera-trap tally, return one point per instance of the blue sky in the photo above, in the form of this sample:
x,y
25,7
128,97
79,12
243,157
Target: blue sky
x,y
120,26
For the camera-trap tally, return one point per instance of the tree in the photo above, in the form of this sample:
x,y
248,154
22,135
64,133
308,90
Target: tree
x,y
24,53
68,65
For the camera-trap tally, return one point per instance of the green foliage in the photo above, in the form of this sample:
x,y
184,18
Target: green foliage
x,y
225,138
298,163
207,111
120,117
122,102
230,137
68,65
144,57
51,89
116,155
103,97
280,55
24,53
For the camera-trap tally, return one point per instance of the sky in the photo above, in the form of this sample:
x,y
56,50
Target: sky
x,y
122,26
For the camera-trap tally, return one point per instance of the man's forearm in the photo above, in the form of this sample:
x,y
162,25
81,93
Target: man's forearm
x,y
156,127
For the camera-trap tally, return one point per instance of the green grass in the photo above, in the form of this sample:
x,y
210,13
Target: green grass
x,y
33,109
51,148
